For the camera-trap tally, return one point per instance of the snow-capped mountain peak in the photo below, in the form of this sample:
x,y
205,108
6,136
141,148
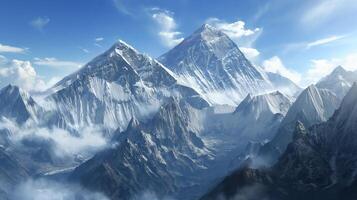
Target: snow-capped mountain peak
x,y
117,85
312,106
339,81
211,63
339,70
218,42
17,104
265,111
274,102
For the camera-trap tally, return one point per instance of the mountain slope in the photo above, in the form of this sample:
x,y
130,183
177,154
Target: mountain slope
x,y
284,84
255,119
320,163
265,111
11,173
17,105
211,63
312,106
338,81
159,155
116,86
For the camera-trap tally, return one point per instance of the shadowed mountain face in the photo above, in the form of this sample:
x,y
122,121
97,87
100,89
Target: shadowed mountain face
x,y
311,107
11,173
158,156
319,163
18,105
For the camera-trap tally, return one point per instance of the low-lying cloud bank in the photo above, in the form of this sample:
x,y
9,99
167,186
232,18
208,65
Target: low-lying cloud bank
x,y
43,189
148,195
62,142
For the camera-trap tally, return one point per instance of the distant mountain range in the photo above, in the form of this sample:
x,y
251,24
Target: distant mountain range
x,y
319,163
175,126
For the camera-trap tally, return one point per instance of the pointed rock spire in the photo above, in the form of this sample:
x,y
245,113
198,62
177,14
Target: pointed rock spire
x,y
134,123
300,131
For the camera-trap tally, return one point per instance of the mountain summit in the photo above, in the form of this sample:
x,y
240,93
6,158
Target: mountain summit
x,y
211,63
116,86
18,105
339,81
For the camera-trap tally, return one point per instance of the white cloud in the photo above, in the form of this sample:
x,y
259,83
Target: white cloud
x,y
2,59
11,49
149,195
43,189
322,67
84,50
20,73
99,39
319,68
40,22
350,62
236,31
167,27
54,62
65,144
275,65
250,53
122,7
53,80
241,35
324,41
306,45
324,10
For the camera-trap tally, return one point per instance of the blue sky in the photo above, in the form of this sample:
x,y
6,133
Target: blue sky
x,y
41,41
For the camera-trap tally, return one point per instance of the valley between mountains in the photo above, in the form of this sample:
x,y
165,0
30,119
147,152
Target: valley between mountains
x,y
199,122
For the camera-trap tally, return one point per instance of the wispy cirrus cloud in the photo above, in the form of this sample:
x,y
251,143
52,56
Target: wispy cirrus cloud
x,y
168,33
40,22
306,45
98,41
324,10
54,62
11,49
324,41
121,6
84,50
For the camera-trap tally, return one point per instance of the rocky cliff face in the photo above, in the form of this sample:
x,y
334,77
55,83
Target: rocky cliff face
x,y
160,155
318,164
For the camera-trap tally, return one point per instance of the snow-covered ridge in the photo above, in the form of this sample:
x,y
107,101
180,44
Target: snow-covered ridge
x,y
115,86
256,119
338,81
18,105
275,102
311,107
211,63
